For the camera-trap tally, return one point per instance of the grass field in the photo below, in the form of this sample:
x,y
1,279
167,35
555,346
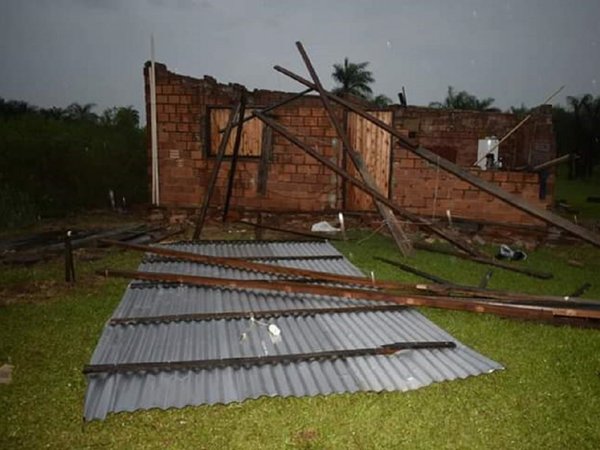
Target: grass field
x,y
577,191
548,396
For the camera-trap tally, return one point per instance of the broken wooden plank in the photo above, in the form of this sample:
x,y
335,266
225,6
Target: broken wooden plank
x,y
234,156
459,172
551,163
398,234
215,172
265,159
240,264
452,303
414,270
487,261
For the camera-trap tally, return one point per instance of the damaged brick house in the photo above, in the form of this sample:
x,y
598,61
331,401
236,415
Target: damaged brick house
x,y
274,175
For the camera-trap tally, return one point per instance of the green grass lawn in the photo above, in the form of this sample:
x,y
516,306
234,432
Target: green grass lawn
x,y
576,192
548,396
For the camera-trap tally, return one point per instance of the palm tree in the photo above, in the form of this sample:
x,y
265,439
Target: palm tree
x,y
75,111
586,115
353,78
128,117
120,116
520,111
54,112
382,100
464,100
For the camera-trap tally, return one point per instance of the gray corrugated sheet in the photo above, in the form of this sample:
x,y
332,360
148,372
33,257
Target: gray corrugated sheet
x,y
181,341
339,266
257,249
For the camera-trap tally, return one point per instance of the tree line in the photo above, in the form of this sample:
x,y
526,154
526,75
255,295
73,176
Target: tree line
x,y
54,161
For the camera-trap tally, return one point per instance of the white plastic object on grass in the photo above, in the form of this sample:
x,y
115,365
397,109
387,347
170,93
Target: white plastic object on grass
x,y
324,227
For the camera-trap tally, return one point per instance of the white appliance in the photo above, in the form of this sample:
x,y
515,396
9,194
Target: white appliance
x,y
484,147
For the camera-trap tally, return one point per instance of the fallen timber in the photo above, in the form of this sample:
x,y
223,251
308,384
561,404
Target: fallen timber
x,y
234,157
393,286
478,305
487,261
256,267
454,169
414,270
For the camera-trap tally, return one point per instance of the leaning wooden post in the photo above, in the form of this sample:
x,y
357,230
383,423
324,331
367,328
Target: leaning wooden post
x,y
396,230
236,151
213,178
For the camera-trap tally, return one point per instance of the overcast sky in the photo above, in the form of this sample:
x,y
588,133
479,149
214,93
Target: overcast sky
x,y
54,52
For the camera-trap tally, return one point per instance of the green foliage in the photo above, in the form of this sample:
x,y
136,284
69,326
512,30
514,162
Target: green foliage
x,y
585,123
67,160
353,78
576,192
381,101
16,208
464,100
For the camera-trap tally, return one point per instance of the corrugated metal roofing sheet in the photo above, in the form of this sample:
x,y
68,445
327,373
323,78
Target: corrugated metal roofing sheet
x,y
257,249
185,341
338,266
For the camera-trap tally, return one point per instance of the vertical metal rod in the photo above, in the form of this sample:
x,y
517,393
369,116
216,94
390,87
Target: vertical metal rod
x,y
69,265
213,178
236,151
153,127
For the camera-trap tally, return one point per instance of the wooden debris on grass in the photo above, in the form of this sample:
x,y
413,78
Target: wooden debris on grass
x,y
39,247
516,305
6,373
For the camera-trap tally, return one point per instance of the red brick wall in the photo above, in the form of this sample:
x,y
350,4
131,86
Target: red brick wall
x,y
456,132
421,188
297,182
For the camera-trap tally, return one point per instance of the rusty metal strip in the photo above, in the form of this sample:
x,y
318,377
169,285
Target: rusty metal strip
x,y
209,364
264,314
